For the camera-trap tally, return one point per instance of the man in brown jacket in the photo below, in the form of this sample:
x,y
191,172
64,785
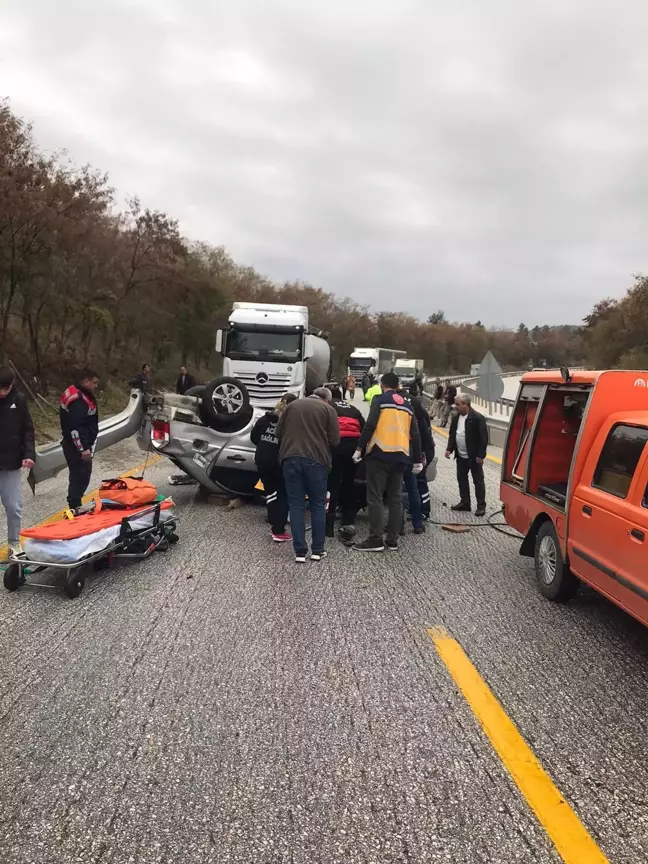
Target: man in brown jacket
x,y
307,430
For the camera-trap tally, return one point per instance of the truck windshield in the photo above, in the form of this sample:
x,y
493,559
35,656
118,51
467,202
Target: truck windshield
x,y
272,346
404,370
362,362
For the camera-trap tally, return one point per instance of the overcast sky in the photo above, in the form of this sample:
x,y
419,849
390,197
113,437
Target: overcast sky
x,y
485,157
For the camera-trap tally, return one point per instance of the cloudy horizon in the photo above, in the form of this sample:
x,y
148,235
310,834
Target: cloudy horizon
x,y
412,156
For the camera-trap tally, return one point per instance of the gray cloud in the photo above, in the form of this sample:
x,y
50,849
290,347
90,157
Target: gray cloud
x,y
485,158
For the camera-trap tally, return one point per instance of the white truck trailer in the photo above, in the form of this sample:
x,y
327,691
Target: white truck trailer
x,y
373,361
409,370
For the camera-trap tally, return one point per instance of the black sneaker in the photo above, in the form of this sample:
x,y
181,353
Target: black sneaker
x,y
371,544
461,508
481,510
420,529
392,545
317,556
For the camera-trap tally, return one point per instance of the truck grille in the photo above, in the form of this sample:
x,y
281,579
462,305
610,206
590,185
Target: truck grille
x,y
271,392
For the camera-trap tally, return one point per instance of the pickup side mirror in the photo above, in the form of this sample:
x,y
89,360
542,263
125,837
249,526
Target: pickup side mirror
x,y
309,347
219,341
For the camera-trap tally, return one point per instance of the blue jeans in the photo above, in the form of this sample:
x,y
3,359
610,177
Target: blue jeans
x,y
304,477
413,497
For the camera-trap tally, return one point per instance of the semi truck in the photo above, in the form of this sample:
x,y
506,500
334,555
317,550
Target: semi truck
x,y
373,361
271,349
409,370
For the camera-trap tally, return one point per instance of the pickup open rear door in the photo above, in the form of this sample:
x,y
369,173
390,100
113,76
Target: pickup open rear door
x,y
608,516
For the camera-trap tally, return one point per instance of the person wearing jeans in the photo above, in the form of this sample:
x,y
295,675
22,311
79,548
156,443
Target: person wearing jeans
x,y
306,477
308,430
17,451
468,440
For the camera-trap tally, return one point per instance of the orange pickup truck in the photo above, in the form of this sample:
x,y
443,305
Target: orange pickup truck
x,y
575,482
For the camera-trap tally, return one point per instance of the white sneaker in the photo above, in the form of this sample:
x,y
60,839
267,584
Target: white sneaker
x,y
317,556
14,551
300,559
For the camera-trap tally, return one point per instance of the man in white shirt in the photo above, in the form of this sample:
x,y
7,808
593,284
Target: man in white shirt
x,y
468,440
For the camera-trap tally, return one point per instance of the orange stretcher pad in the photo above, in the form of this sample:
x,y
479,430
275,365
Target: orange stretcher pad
x,y
88,523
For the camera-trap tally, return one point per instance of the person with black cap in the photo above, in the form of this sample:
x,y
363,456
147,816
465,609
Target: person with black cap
x,y
17,451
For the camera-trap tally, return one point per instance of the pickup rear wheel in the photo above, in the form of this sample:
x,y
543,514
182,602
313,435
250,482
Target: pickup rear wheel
x,y
555,579
225,401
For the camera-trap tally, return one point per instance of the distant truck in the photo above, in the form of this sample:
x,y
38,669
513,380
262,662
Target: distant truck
x,y
271,349
373,361
575,482
409,370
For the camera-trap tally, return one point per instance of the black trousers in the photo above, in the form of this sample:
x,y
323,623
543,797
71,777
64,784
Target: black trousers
x,y
275,495
80,473
385,481
464,468
341,488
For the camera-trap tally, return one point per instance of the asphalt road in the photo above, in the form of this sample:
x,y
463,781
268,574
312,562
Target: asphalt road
x,y
220,703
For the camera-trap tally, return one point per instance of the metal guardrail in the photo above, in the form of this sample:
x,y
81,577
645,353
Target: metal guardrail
x,y
498,409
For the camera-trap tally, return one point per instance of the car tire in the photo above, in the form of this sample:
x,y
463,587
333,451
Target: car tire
x,y
554,578
225,403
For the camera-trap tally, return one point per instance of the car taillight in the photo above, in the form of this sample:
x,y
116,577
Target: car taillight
x,y
160,432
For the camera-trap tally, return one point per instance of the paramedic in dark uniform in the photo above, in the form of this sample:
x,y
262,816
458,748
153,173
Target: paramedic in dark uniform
x,y
80,426
341,482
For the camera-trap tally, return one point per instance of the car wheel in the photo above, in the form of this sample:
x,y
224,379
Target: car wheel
x,y
225,401
555,579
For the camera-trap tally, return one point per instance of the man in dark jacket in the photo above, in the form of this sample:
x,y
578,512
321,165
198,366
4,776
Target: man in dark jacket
x,y
427,446
391,440
16,451
468,440
185,381
308,430
342,477
80,426
142,381
264,437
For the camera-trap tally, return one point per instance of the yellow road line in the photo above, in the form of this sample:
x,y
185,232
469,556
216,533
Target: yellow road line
x,y
568,834
59,513
445,435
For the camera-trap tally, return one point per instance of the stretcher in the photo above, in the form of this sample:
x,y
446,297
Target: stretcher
x,y
92,539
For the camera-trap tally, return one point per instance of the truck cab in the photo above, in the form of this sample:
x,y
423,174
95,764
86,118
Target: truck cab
x,y
575,482
271,350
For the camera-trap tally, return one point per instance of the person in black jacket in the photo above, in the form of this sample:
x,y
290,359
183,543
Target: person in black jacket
x,y
142,381
185,381
80,426
264,437
427,446
16,451
343,470
468,440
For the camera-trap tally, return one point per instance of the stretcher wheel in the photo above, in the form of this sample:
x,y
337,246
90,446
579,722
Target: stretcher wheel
x,y
74,582
173,539
13,577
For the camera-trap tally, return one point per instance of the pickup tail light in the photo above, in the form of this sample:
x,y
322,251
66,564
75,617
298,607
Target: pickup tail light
x,y
160,432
